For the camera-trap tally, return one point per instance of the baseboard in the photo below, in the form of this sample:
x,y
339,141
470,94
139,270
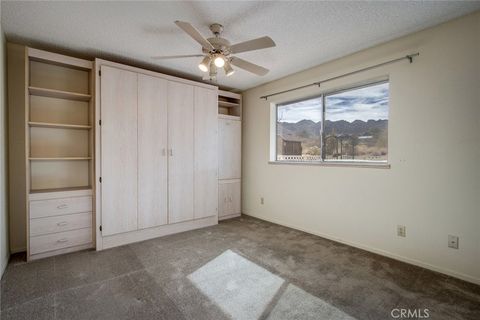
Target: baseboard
x,y
4,265
155,232
230,216
388,254
18,250
60,251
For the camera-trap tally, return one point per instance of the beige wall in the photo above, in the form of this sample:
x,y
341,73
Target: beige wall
x,y
3,163
433,186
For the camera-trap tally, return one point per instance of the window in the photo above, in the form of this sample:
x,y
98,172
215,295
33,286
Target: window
x,y
345,126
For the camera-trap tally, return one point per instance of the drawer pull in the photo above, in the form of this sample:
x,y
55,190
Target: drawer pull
x,y
62,240
62,224
62,206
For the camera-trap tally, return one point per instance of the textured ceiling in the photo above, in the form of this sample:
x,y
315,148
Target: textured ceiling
x,y
306,33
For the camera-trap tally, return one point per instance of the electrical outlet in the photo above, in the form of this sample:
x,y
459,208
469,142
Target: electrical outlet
x,y
452,241
401,231
262,201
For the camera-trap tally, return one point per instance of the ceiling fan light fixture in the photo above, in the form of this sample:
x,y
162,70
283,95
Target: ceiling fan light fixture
x,y
219,61
213,69
203,66
228,69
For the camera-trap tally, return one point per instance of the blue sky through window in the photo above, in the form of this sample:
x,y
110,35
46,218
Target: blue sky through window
x,y
368,103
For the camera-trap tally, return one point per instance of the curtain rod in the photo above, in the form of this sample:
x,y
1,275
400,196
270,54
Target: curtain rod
x,y
408,57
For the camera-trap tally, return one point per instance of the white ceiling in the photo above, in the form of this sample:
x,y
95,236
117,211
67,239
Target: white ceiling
x,y
306,33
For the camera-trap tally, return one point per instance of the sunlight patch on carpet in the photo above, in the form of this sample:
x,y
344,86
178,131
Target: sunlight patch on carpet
x,y
238,286
295,303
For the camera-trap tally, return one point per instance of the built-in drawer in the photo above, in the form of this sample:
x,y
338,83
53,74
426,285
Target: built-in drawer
x,y
61,240
56,207
55,224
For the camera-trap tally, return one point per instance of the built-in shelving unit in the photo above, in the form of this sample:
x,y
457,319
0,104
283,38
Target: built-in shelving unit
x,y
59,124
51,134
229,104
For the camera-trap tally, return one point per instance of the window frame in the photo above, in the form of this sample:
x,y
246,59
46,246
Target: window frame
x,y
322,161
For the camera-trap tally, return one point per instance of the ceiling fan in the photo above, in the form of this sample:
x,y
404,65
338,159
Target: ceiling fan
x,y
217,51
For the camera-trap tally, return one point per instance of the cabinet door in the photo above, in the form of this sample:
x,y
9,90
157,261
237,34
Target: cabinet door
x,y
230,145
235,198
152,151
223,204
180,163
206,153
118,99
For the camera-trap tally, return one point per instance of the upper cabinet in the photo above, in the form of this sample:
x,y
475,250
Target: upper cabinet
x,y
230,145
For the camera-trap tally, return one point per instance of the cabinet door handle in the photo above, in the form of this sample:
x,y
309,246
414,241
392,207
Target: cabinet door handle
x,y
164,153
62,206
171,152
62,240
62,224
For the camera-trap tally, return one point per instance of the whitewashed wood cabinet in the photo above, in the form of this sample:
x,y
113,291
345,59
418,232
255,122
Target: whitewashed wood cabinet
x,y
119,150
50,152
229,154
180,140
230,144
229,200
206,153
152,152
172,135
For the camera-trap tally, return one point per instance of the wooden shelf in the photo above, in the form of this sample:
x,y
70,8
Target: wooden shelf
x,y
228,117
60,189
226,104
60,159
59,94
58,125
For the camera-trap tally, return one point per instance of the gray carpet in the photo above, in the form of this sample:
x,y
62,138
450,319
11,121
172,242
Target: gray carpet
x,y
243,268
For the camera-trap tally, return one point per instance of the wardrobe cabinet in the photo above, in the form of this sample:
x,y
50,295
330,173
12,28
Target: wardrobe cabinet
x,y
180,144
152,152
206,153
159,154
119,150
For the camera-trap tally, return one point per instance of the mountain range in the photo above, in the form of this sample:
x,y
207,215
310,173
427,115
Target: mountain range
x,y
306,129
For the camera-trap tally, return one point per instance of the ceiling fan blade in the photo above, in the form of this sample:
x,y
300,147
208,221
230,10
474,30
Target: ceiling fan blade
x,y
178,56
255,44
192,32
250,67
